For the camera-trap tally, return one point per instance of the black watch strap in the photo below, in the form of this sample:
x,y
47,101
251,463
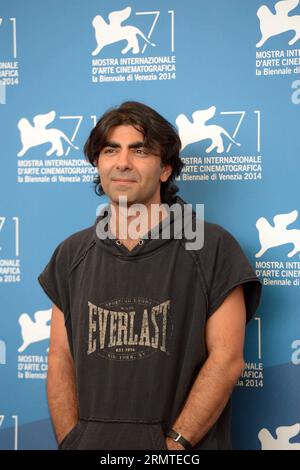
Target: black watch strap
x,y
179,438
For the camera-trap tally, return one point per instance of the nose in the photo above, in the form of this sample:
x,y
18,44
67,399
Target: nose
x,y
124,160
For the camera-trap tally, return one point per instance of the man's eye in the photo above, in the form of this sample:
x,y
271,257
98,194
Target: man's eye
x,y
109,150
142,152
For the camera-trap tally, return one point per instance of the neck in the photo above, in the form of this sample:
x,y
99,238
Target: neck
x,y
130,223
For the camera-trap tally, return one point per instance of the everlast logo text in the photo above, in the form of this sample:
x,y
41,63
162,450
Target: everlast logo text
x,y
128,332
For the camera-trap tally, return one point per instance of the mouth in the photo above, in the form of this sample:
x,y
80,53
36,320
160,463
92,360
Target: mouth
x,y
123,181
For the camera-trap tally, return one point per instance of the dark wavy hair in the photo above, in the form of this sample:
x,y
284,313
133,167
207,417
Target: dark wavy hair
x,y
157,132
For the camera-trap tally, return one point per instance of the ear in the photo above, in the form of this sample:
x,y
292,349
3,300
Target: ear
x,y
165,173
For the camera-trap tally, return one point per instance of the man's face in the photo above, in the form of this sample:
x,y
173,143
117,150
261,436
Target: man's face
x,y
129,169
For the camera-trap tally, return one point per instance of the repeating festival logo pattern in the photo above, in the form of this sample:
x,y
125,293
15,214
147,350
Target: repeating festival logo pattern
x,y
275,61
218,155
282,439
31,363
142,59
231,89
48,154
276,270
9,57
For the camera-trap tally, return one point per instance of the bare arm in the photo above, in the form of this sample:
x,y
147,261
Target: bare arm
x,y
213,386
61,389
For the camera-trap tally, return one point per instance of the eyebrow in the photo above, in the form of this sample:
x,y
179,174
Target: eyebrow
x,y
134,145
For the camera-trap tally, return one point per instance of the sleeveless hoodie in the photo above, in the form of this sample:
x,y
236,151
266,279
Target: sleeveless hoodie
x,y
136,328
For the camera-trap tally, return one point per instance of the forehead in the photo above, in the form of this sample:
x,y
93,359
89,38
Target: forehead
x,y
125,134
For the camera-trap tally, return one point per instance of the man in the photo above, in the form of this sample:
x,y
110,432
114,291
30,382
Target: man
x,y
146,335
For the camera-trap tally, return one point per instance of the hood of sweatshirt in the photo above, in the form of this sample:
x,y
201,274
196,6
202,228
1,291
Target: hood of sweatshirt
x,y
173,226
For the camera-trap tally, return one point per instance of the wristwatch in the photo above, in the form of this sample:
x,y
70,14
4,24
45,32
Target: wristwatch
x,y
179,438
